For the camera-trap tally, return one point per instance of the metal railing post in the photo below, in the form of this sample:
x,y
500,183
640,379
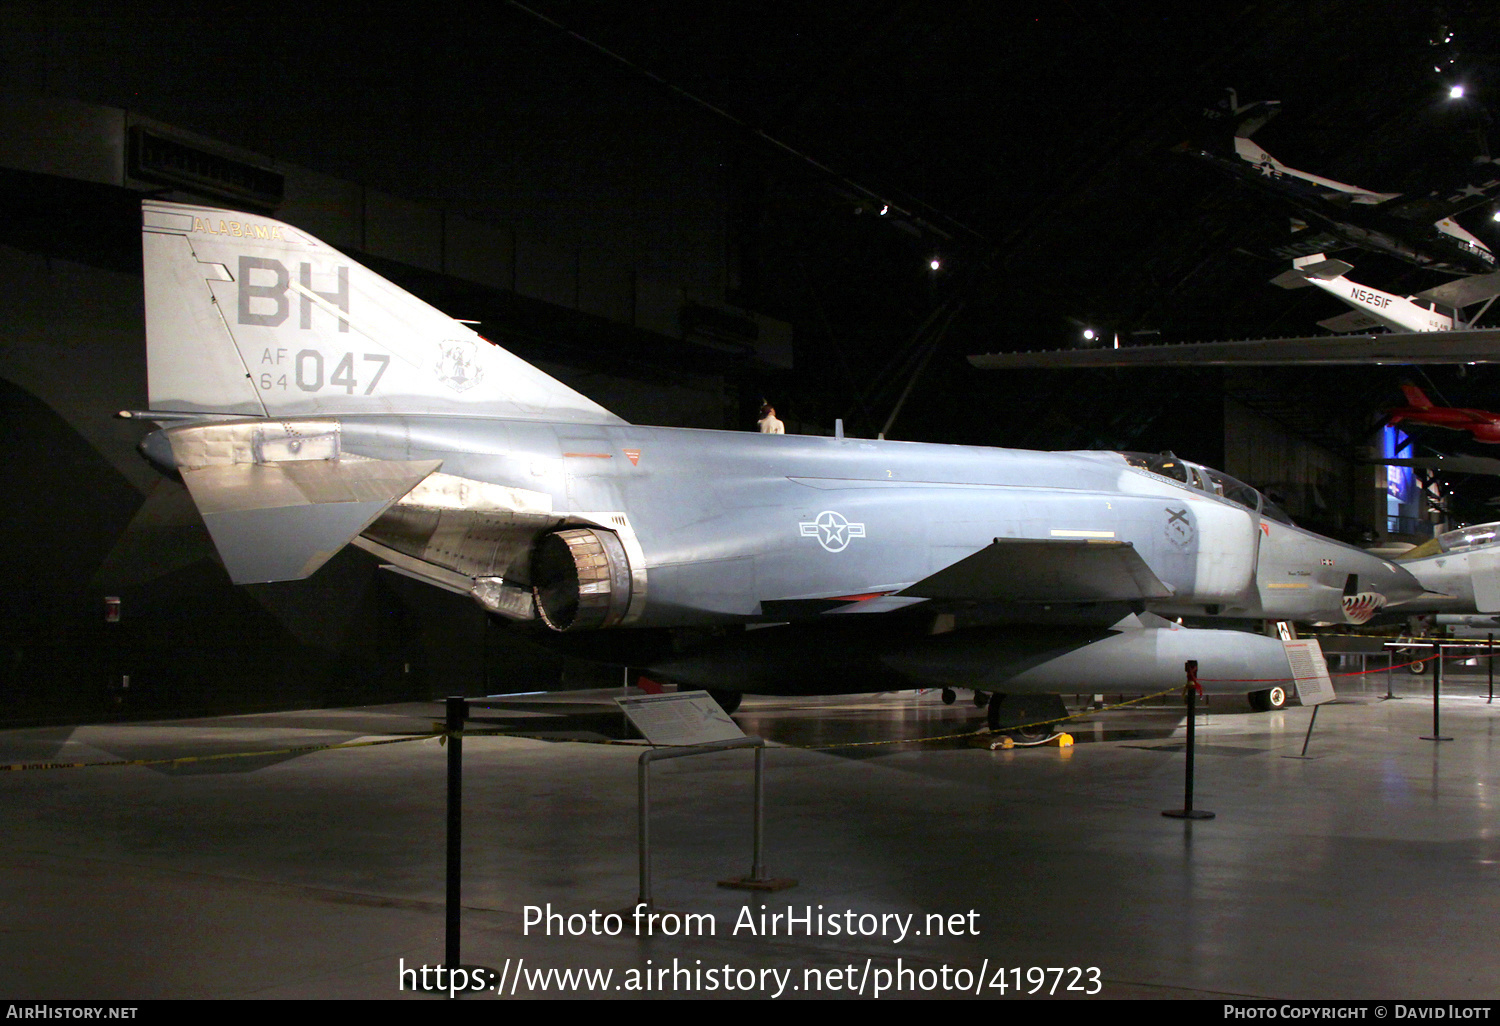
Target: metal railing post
x,y
643,788
1187,811
757,864
458,711
1437,687
643,829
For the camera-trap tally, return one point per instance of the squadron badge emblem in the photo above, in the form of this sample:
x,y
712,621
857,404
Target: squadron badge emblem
x,y
1179,527
458,364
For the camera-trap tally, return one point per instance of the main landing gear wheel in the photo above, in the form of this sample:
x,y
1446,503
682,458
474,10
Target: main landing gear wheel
x,y
949,696
1265,701
993,710
980,698
729,701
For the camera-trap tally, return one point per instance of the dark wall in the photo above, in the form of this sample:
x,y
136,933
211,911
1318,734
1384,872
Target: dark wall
x,y
487,113
605,186
187,641
87,519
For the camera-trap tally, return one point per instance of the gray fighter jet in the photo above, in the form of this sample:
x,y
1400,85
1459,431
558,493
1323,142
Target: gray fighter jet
x,y
1461,571
309,404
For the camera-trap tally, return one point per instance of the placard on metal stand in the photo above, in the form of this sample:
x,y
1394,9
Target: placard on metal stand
x,y
1310,671
458,711
692,723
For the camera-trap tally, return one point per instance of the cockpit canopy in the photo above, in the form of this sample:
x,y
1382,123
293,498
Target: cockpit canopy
x,y
1206,479
1469,537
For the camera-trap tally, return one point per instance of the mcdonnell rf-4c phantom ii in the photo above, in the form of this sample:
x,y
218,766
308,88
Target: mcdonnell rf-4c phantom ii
x,y
309,404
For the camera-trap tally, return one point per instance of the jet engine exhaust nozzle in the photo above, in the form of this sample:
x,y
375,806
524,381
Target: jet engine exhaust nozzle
x,y
581,579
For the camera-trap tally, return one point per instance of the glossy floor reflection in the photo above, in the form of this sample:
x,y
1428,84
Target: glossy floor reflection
x,y
1371,869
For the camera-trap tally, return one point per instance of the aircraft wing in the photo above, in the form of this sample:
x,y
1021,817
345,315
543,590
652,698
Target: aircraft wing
x,y
1464,291
1036,570
1478,345
1476,184
1354,320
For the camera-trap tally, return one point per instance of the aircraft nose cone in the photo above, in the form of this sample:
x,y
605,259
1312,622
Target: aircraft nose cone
x,y
1377,584
1394,582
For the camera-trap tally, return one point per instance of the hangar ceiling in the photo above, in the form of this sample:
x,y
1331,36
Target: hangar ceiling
x,y
1032,146
1028,148
1040,139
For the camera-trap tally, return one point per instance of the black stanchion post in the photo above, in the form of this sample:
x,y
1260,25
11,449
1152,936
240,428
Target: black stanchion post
x,y
457,712
1307,739
1490,660
1192,690
1437,687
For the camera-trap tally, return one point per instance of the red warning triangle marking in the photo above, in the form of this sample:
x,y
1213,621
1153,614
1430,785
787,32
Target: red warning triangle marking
x,y
634,455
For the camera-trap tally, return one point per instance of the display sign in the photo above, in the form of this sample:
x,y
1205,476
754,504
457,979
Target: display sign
x,y
1310,670
682,718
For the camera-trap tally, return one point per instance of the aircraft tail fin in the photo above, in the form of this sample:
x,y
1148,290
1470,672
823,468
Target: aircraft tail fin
x,y
248,316
1306,269
1321,267
1416,397
1293,279
1250,118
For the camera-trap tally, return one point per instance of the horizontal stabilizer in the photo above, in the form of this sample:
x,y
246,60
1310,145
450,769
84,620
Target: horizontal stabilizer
x,y
1026,570
1293,279
281,521
1354,320
1464,291
1321,268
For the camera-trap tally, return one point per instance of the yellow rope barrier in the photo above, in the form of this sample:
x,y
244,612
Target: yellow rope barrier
x,y
183,760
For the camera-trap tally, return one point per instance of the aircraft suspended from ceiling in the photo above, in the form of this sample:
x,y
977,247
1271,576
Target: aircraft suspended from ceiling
x,y
1436,309
1482,424
1417,228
